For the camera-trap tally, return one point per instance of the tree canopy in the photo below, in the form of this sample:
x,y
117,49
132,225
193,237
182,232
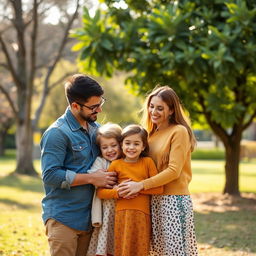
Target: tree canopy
x,y
204,49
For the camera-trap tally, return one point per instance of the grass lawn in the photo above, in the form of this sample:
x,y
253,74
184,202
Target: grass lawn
x,y
224,226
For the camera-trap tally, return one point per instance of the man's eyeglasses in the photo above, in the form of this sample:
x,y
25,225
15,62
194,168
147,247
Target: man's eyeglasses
x,y
93,107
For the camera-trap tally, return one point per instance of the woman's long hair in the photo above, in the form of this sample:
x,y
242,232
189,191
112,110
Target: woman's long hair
x,y
178,116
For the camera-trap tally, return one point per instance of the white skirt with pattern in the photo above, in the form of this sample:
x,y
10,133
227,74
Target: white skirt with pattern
x,y
102,240
173,232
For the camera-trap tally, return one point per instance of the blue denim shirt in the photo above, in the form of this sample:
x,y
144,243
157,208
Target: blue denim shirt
x,y
66,149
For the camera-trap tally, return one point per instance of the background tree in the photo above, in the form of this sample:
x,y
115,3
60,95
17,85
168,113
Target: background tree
x,y
204,49
30,52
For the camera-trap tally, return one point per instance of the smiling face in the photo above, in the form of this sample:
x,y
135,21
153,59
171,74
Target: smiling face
x,y
82,111
159,112
110,148
132,146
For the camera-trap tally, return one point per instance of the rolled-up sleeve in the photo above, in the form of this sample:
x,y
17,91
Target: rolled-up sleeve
x,y
53,152
70,176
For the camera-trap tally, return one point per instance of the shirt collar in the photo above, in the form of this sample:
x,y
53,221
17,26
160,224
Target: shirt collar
x,y
74,124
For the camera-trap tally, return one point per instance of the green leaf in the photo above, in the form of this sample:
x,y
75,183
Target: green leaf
x,y
107,44
205,56
78,46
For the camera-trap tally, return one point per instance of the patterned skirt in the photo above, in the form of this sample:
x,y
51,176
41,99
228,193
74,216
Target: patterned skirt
x,y
173,232
102,240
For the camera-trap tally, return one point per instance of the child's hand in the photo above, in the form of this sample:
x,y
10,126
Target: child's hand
x,y
127,197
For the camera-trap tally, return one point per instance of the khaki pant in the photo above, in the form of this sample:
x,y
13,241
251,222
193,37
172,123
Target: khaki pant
x,y
66,241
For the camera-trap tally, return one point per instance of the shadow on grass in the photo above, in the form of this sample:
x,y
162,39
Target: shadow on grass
x,y
22,182
232,230
14,204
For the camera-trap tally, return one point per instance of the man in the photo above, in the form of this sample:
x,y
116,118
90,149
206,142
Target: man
x,y
68,150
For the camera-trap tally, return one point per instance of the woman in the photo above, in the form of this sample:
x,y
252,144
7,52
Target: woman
x,y
171,142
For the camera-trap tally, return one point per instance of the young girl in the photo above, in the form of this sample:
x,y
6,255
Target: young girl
x,y
132,216
102,240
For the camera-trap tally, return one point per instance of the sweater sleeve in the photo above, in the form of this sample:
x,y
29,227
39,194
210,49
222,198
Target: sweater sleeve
x,y
180,146
106,193
98,164
152,171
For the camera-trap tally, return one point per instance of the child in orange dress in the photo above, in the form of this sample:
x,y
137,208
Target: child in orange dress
x,y
132,216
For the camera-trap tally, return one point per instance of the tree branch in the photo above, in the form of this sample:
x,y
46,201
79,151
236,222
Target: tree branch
x,y
222,134
53,85
33,46
5,18
249,121
63,43
4,66
9,62
44,95
51,68
19,25
30,13
32,70
8,97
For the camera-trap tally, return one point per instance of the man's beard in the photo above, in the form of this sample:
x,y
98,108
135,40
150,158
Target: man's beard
x,y
89,118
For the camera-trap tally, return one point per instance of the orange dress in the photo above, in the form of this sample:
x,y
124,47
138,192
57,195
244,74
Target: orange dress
x,y
132,216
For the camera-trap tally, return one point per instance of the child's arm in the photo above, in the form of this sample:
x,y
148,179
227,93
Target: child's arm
x,y
106,193
152,171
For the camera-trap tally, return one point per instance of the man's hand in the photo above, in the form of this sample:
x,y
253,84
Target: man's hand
x,y
101,178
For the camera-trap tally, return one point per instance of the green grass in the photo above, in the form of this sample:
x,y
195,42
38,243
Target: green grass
x,y
21,227
209,176
228,233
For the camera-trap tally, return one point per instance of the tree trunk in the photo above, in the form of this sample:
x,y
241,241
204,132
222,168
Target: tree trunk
x,y
232,167
2,140
24,143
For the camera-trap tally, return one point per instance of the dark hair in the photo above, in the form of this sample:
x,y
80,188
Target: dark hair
x,y
80,88
137,129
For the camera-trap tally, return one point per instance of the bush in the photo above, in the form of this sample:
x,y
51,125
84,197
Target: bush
x,y
10,141
208,154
